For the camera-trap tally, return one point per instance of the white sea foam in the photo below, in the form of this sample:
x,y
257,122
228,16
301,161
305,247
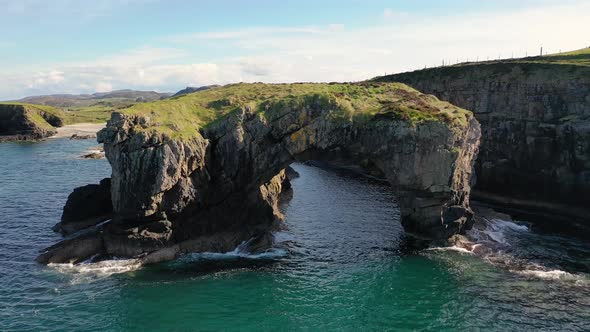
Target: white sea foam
x,y
452,248
492,242
496,230
268,254
104,268
88,272
554,275
240,252
504,224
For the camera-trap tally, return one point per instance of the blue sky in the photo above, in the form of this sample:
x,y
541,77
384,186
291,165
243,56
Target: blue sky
x,y
72,46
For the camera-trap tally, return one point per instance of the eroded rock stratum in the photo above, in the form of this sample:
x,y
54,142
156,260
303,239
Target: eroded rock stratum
x,y
535,118
203,172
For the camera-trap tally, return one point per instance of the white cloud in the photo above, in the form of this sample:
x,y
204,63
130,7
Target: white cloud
x,y
336,27
51,77
103,87
146,55
249,33
316,53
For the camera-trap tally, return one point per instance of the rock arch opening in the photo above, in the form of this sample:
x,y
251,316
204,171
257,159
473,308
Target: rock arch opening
x,y
332,208
427,165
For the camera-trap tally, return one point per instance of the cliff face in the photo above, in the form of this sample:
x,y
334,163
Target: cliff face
x,y
26,122
535,118
219,186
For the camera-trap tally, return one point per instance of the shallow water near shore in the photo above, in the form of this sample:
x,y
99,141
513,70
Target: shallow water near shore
x,y
342,262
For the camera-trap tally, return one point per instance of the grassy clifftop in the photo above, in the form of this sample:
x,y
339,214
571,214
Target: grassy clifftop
x,y
43,117
184,115
575,58
84,115
552,66
28,122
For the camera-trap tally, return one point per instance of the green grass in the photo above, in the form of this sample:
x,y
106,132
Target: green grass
x,y
575,58
575,64
81,111
48,109
94,114
38,120
90,114
183,116
35,113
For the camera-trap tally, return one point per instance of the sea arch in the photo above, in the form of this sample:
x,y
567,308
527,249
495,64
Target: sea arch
x,y
218,186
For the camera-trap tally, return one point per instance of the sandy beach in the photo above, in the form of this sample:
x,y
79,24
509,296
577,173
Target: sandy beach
x,y
79,129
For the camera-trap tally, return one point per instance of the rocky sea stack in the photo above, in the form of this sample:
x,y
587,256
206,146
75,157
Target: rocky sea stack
x,y
203,172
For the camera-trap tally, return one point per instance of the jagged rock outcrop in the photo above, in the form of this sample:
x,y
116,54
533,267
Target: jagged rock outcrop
x,y
26,122
219,186
86,206
535,119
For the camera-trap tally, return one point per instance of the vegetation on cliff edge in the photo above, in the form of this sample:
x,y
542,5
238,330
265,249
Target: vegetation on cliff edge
x,y
38,114
550,66
183,116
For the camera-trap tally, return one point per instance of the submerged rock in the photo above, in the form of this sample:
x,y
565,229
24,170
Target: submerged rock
x,y
73,250
82,136
219,186
94,155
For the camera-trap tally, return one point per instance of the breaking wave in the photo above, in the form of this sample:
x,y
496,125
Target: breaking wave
x,y
451,248
242,251
500,242
549,275
89,269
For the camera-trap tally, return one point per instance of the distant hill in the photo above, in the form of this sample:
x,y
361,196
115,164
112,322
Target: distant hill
x,y
114,99
94,108
190,89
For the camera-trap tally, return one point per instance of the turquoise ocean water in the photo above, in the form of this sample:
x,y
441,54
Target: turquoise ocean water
x,y
342,263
